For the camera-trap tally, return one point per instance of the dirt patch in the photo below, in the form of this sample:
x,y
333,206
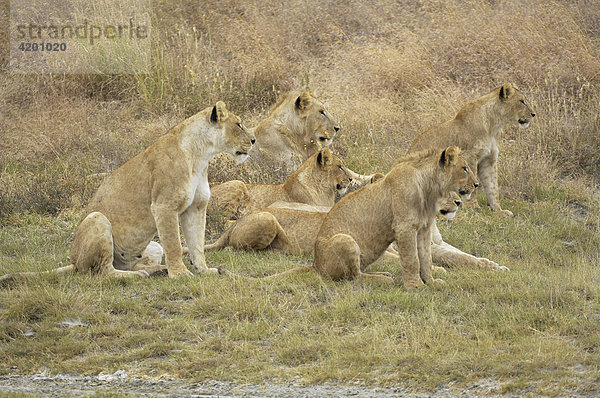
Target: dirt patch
x,y
119,382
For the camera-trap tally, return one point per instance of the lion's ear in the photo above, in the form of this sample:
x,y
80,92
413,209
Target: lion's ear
x,y
506,91
325,157
303,100
449,156
219,112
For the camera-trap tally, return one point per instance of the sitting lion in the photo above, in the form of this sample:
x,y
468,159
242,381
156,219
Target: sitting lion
x,y
316,182
293,228
400,208
475,130
151,193
297,126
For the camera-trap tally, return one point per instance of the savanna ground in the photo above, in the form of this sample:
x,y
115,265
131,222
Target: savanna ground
x,y
388,70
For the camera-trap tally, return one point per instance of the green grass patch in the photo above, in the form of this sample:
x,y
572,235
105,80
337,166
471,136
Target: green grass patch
x,y
538,324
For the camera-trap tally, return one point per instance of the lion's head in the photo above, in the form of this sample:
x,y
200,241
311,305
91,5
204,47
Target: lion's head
x,y
514,106
319,125
309,126
448,206
331,171
236,138
460,177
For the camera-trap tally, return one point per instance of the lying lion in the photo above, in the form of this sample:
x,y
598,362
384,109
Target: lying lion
x,y
293,228
150,194
316,182
475,130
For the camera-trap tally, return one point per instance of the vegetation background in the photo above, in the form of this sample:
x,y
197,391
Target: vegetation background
x,y
388,70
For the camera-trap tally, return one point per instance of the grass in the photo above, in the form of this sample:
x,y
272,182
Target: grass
x,y
388,71
534,327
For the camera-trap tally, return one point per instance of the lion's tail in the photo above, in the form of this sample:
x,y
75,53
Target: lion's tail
x,y
22,275
297,270
222,242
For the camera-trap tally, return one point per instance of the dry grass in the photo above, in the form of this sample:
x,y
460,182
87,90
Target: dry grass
x,y
388,70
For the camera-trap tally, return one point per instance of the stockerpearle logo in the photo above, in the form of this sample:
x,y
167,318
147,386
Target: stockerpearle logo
x,y
80,36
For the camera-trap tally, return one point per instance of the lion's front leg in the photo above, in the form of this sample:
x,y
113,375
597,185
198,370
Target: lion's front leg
x,y
193,223
446,254
167,225
406,240
487,172
424,254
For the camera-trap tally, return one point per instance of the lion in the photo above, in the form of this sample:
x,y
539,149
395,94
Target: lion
x,y
150,194
401,207
297,126
445,254
316,182
293,228
475,129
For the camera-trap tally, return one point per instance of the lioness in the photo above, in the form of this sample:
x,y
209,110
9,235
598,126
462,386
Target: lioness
x,y
400,208
150,193
475,130
316,182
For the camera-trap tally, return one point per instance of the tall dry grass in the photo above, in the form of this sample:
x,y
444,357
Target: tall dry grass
x,y
387,69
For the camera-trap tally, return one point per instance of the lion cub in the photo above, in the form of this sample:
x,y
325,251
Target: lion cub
x,y
150,194
400,208
315,182
475,130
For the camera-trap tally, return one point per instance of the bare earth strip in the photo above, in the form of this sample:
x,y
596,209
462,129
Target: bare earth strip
x,y
119,382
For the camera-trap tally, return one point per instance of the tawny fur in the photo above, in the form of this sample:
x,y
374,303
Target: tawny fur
x,y
152,193
316,182
293,228
400,208
475,130
297,126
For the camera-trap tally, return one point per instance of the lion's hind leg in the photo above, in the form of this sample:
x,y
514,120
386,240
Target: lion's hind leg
x,y
258,231
339,258
92,250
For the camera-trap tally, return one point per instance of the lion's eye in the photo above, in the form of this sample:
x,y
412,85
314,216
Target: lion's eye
x,y
341,168
466,169
240,126
322,112
322,139
523,102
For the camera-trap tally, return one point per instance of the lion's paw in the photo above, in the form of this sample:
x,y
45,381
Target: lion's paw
x,y
437,269
418,285
179,273
438,282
